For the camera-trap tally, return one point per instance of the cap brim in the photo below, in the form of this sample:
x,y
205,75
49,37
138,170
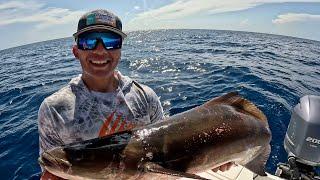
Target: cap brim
x,y
100,27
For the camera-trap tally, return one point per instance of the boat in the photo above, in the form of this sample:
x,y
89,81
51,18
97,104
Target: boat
x,y
235,173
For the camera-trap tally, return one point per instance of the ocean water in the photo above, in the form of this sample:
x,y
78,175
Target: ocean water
x,y
184,67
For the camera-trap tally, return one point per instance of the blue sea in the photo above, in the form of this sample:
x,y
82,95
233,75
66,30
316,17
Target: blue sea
x,y
184,67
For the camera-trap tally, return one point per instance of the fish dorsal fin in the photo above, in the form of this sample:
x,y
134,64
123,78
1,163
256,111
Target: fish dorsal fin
x,y
242,104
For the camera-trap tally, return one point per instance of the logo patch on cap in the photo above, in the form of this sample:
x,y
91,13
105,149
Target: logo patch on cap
x,y
108,19
91,19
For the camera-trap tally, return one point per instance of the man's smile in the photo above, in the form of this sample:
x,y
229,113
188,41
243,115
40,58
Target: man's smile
x,y
99,62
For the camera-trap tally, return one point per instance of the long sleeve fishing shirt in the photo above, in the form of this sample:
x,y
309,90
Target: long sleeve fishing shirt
x,y
74,113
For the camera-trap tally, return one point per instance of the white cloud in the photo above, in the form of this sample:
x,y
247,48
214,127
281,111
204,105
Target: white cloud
x,y
32,12
136,7
187,8
295,17
11,5
244,22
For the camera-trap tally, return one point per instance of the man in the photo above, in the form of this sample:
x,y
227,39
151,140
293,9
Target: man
x,y
101,100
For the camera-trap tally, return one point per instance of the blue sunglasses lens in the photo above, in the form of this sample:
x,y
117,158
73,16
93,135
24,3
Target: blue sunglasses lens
x,y
89,41
111,43
87,44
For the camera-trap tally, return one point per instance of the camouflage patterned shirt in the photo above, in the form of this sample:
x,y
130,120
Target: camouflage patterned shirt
x,y
74,113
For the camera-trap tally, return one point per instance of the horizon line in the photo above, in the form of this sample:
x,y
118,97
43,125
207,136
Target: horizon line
x,y
130,31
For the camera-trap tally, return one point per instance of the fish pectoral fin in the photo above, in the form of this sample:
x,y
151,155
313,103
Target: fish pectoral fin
x,y
257,165
156,168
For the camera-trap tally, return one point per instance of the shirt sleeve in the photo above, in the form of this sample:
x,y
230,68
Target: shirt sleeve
x,y
155,107
48,132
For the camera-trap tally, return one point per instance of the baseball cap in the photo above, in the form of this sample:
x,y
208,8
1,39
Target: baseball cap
x,y
99,19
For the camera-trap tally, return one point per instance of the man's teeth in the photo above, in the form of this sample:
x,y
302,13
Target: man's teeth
x,y
99,62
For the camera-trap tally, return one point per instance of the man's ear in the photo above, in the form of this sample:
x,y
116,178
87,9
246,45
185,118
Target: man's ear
x,y
75,51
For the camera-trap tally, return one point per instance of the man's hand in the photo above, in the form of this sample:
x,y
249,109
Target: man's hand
x,y
48,176
224,167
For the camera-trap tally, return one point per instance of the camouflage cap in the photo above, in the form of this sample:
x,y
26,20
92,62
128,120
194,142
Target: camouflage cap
x,y
99,20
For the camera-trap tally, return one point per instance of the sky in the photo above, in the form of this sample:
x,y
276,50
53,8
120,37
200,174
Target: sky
x,y
28,21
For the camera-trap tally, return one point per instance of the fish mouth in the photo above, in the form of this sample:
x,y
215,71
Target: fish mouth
x,y
49,160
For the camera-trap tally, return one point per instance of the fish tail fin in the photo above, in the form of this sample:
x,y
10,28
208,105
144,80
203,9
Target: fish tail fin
x,y
242,104
257,165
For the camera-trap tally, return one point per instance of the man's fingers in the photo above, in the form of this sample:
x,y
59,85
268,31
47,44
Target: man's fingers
x,y
215,169
229,165
224,167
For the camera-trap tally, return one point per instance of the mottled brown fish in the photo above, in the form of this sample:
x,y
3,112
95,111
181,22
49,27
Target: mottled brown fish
x,y
225,129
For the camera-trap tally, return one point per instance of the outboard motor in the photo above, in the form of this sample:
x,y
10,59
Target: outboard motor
x,y
302,141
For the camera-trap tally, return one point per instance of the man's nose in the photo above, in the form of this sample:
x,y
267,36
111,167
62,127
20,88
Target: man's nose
x,y
100,47
101,50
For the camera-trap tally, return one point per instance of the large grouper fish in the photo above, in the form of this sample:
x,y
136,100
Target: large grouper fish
x,y
225,129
